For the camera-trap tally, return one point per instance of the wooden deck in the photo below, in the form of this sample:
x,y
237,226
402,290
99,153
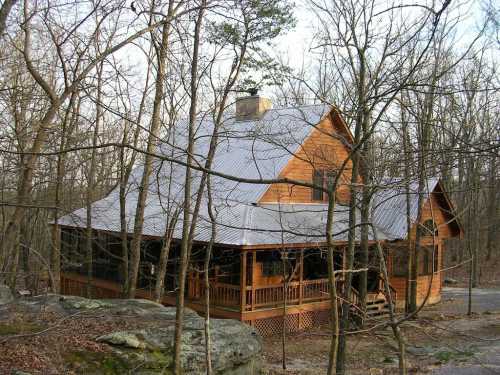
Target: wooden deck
x,y
261,297
226,296
308,301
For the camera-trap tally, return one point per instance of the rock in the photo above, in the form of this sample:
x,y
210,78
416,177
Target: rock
x,y
5,295
127,339
450,281
235,347
80,303
492,312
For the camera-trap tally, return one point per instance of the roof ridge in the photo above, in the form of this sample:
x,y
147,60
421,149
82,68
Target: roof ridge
x,y
301,106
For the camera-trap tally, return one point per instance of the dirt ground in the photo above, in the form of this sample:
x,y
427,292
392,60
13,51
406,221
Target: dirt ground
x,y
38,343
441,341
488,275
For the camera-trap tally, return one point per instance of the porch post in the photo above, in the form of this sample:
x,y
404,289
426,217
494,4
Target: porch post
x,y
243,280
301,276
254,266
344,262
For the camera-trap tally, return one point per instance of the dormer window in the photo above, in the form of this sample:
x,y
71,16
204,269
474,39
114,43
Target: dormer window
x,y
322,178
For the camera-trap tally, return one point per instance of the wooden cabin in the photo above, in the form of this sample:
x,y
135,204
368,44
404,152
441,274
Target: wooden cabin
x,y
259,225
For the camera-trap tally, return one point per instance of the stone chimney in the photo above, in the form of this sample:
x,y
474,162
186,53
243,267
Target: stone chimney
x,y
251,107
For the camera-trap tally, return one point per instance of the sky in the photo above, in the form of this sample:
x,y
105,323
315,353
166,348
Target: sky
x,y
296,45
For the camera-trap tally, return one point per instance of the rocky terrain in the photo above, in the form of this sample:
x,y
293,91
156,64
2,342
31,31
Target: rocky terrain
x,y
54,334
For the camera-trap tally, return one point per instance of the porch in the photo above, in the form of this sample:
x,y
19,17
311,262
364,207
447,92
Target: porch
x,y
252,298
251,285
264,285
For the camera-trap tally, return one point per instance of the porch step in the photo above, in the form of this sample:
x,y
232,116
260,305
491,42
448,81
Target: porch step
x,y
378,308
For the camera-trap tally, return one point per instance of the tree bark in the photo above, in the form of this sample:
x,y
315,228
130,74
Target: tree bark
x,y
135,246
186,220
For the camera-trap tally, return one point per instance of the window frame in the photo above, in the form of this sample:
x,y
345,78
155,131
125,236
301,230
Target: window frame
x,y
318,180
324,178
399,257
427,263
429,228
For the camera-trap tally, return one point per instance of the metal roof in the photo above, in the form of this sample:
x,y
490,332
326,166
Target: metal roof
x,y
247,149
389,206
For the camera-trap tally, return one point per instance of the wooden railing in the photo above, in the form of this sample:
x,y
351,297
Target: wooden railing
x,y
382,290
221,294
314,290
296,293
266,296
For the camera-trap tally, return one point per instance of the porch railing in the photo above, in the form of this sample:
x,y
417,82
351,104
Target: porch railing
x,y
220,293
261,297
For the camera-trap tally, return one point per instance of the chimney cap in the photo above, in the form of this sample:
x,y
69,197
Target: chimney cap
x,y
253,91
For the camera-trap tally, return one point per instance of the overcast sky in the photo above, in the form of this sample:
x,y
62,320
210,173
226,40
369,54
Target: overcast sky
x,y
296,44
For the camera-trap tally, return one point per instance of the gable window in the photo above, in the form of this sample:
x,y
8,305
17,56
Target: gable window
x,y
429,228
322,178
317,194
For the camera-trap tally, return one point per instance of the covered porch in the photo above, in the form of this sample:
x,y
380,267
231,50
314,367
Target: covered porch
x,y
269,282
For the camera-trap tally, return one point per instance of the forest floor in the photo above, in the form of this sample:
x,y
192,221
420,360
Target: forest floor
x,y
443,340
488,275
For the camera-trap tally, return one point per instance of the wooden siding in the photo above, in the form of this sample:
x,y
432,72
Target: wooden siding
x,y
259,279
323,149
433,209
423,281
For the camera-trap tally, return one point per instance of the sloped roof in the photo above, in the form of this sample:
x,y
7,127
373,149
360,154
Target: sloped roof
x,y
247,149
389,213
252,150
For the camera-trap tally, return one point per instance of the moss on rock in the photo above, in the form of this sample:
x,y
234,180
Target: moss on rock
x,y
16,328
117,363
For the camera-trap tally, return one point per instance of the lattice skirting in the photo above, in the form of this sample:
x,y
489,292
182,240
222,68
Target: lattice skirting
x,y
293,322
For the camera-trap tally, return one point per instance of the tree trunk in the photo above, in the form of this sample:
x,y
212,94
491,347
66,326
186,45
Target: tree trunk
x,y
135,246
186,220
55,254
164,253
89,261
334,317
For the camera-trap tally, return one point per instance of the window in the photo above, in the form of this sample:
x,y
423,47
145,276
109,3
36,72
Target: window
x,y
272,268
400,262
429,228
323,178
317,194
427,260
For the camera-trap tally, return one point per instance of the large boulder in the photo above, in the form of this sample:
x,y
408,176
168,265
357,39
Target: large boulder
x,y
235,348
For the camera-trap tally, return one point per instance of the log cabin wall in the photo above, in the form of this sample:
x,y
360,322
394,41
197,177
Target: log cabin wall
x,y
260,270
436,208
260,279
433,209
423,281
324,150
